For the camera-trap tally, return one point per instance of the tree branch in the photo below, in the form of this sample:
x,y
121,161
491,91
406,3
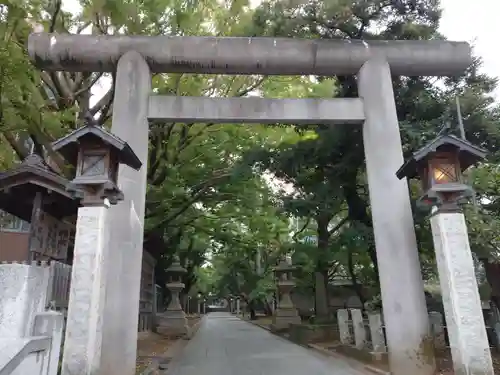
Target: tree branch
x,y
338,226
302,229
55,14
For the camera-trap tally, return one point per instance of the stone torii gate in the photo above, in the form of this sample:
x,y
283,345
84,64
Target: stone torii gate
x,y
135,58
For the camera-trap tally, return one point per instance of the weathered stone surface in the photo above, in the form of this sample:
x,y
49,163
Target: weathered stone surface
x,y
226,55
256,110
129,122
462,305
377,332
286,313
437,328
397,256
358,324
343,322
173,321
83,342
23,294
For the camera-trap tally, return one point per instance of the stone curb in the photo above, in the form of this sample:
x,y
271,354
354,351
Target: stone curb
x,y
329,353
173,351
194,328
254,322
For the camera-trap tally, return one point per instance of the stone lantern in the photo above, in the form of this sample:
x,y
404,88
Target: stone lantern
x,y
439,166
238,305
286,313
96,155
198,303
174,321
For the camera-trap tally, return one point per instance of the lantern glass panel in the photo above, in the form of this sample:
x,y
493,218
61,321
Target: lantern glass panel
x,y
444,169
93,165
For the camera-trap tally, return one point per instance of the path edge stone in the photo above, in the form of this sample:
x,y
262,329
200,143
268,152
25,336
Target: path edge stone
x,y
326,352
334,354
173,351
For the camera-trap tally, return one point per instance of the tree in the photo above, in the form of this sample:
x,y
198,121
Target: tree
x,y
335,156
194,170
209,193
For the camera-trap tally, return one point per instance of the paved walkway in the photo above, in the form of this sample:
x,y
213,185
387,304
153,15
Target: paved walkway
x,y
226,345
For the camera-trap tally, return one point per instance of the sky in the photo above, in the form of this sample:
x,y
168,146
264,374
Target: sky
x,y
474,22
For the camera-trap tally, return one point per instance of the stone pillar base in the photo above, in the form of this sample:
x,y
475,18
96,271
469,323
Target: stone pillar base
x,y
173,323
284,317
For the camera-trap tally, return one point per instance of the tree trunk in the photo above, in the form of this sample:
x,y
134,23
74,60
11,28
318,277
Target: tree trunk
x,y
321,273
267,308
321,295
492,271
372,252
358,289
251,308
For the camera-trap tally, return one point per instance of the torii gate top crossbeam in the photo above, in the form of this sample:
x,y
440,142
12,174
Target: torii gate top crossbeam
x,y
229,55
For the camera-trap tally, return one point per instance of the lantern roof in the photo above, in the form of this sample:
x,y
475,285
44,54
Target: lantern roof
x,y
176,268
284,266
468,153
19,186
68,145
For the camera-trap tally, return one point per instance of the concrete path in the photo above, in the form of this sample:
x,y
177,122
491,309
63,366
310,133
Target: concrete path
x,y
226,345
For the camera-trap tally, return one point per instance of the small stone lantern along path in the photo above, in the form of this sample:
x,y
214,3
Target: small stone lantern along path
x,y
286,313
173,321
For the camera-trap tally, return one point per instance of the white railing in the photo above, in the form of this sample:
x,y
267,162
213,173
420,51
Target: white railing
x,y
30,336
37,354
23,356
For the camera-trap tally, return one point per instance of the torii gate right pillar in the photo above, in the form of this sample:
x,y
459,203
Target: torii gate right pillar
x,y
403,300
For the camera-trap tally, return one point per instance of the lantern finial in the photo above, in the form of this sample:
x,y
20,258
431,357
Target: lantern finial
x,y
89,119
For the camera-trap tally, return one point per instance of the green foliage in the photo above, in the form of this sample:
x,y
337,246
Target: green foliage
x,y
209,186
327,170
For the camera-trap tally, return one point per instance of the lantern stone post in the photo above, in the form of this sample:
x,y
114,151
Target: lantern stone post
x,y
96,155
440,165
173,321
286,313
198,303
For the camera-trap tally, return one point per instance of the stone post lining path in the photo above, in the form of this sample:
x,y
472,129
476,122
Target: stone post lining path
x,y
226,345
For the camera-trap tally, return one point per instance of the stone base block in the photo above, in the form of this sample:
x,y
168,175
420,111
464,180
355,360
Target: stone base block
x,y
286,310
173,323
309,333
382,357
364,355
284,317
